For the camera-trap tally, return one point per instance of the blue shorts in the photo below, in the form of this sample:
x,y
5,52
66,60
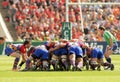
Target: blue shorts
x,y
42,54
115,46
97,53
61,51
76,50
8,51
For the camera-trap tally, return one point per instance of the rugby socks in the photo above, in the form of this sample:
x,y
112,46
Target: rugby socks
x,y
80,64
15,63
54,63
27,64
21,63
72,62
108,60
65,65
93,65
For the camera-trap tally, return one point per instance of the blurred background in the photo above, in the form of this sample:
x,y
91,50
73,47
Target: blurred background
x,y
41,20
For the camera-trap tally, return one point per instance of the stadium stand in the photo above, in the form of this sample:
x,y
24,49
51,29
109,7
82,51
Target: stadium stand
x,y
42,19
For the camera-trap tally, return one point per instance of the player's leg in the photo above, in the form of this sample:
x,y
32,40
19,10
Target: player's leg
x,y
64,61
79,63
17,58
100,61
79,58
86,62
107,54
45,59
72,61
32,57
93,63
106,65
54,61
20,65
72,57
109,51
45,65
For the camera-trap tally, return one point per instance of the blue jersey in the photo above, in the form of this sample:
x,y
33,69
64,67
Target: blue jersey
x,y
8,50
50,45
61,51
17,46
43,54
77,50
97,53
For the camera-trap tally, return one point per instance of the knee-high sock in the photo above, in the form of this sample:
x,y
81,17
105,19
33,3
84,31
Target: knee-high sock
x,y
80,64
72,62
16,63
22,62
65,63
108,60
27,64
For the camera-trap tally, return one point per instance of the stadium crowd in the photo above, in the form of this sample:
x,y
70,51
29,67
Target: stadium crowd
x,y
42,19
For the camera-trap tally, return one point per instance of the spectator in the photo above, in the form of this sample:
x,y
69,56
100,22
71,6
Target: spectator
x,y
5,4
42,19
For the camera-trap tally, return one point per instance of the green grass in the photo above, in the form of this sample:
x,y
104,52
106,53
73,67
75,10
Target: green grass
x,y
6,75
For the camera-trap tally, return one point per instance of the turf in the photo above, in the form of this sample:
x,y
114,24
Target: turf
x,y
6,75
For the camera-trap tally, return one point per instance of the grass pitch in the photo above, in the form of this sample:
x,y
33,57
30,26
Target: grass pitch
x,y
6,75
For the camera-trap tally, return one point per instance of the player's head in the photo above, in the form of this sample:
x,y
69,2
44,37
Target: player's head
x,y
31,50
2,40
27,43
63,40
51,43
88,50
101,29
85,46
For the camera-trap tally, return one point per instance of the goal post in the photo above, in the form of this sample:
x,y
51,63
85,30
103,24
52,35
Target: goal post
x,y
85,3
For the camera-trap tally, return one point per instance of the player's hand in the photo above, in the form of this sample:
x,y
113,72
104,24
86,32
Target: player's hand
x,y
50,50
108,48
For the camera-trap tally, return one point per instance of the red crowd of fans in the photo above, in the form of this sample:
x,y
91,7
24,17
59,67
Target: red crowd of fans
x,y
42,19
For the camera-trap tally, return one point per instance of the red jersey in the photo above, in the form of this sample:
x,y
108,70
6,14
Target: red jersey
x,y
23,49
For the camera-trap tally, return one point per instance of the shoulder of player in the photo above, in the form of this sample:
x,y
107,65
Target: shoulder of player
x,y
107,32
22,46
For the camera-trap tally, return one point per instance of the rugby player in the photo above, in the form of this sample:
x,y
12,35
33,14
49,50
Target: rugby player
x,y
60,52
96,58
12,50
23,51
38,53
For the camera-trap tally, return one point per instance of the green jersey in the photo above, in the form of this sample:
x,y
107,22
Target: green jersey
x,y
107,35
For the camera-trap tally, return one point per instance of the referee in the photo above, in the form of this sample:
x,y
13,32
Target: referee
x,y
111,42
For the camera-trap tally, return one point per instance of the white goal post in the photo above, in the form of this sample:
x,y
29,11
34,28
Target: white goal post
x,y
85,3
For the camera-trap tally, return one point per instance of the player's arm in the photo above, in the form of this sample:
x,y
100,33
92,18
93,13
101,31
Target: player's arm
x,y
24,56
57,47
111,43
110,39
